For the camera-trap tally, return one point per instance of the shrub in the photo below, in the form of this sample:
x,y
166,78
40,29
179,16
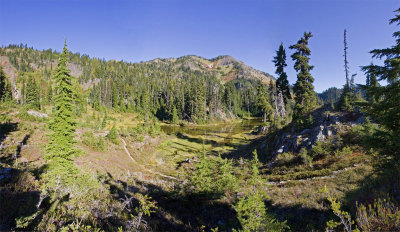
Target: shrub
x,y
153,129
213,177
307,160
321,149
382,215
113,135
345,151
92,141
345,217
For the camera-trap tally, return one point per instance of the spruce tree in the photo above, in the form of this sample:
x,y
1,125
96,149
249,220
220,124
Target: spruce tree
x,y
282,84
303,89
32,93
62,124
250,208
385,107
263,102
4,87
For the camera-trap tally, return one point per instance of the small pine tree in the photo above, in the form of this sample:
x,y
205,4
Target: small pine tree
x,y
113,135
32,93
251,211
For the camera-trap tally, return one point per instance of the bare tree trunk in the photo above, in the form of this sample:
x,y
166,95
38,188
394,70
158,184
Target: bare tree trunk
x,y
265,117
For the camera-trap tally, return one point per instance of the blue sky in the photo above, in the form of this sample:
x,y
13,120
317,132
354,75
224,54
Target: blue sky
x,y
249,30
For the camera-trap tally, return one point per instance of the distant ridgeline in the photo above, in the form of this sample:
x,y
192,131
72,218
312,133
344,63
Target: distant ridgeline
x,y
187,88
331,94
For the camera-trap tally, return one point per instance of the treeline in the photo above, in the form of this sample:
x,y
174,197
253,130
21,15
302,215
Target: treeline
x,y
169,91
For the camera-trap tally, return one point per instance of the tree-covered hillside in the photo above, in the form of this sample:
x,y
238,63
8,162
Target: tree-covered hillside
x,y
197,89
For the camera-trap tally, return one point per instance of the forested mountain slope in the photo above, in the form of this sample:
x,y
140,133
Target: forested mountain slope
x,y
188,88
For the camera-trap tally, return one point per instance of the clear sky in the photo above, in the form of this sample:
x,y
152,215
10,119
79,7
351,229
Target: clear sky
x,y
249,30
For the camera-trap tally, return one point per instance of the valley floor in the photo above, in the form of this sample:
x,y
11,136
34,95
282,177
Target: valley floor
x,y
159,164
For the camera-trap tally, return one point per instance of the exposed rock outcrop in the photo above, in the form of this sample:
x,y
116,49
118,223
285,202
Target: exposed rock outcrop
x,y
326,126
37,114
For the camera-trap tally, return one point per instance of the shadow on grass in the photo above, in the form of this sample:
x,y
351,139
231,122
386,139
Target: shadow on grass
x,y
177,211
300,218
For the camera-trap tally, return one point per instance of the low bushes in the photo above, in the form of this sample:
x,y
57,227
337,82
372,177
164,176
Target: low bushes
x,y
382,215
95,142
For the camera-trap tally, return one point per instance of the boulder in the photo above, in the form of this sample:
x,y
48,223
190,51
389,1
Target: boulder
x,y
37,114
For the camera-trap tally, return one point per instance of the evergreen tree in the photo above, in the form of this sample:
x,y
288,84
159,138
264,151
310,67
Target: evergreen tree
x,y
62,124
303,89
251,211
5,88
114,95
104,122
113,135
282,84
2,83
32,93
348,98
175,118
385,107
263,102
371,84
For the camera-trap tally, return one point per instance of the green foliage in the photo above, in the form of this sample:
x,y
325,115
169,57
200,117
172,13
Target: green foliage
x,y
251,210
347,100
345,151
113,135
202,179
306,159
263,102
330,95
345,217
303,122
32,93
175,118
322,149
104,122
62,124
5,87
382,215
92,141
383,100
213,177
151,128
282,84
303,89
23,114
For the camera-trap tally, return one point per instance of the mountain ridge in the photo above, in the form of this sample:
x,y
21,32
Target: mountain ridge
x,y
224,67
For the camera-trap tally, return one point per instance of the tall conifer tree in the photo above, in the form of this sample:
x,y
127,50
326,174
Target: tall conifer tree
x,y
348,97
303,89
3,85
63,123
32,93
263,102
385,107
282,84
